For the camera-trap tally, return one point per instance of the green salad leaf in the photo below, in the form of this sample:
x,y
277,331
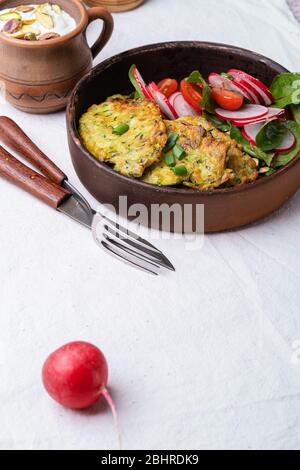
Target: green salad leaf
x,y
251,150
285,89
226,75
284,158
207,101
295,108
196,77
271,135
138,91
217,122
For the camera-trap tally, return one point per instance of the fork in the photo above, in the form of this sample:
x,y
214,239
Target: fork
x,y
55,190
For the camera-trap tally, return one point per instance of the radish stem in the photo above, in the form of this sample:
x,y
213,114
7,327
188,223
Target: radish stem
x,y
110,402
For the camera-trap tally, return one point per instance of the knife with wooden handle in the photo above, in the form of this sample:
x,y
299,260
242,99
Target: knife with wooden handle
x,y
44,189
16,139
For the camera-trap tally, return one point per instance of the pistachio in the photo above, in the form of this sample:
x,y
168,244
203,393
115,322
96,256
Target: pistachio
x,y
42,8
17,35
29,29
24,8
46,36
31,21
45,20
12,26
30,37
57,9
11,15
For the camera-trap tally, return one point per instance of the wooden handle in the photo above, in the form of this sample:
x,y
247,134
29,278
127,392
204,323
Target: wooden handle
x,y
13,136
108,26
27,179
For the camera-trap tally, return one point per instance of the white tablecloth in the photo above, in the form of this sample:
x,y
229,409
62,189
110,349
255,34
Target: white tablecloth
x,y
203,358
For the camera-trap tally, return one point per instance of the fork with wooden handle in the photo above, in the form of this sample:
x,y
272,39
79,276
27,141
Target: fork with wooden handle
x,y
56,191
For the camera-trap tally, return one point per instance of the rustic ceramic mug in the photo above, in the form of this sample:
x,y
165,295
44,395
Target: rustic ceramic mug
x,y
37,76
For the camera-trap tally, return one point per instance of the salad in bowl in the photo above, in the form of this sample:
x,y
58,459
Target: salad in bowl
x,y
207,134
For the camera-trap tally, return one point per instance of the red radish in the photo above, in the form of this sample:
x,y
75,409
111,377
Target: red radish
x,y
182,107
287,144
75,375
162,101
172,97
255,97
272,113
141,83
251,130
261,90
218,81
246,113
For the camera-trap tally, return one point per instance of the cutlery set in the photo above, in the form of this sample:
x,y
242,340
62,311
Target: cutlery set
x,y
54,189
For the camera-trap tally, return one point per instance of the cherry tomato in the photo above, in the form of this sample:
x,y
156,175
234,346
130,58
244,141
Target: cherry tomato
x,y
168,86
192,93
227,99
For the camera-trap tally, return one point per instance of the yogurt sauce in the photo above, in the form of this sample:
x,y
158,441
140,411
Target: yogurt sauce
x,y
63,23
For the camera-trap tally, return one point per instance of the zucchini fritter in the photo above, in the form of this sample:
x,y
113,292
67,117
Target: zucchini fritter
x,y
244,167
205,158
135,150
212,158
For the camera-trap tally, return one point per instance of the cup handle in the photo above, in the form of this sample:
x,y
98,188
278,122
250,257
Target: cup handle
x,y
97,13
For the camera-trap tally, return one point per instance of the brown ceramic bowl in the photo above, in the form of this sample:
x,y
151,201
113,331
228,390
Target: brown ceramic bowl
x,y
224,208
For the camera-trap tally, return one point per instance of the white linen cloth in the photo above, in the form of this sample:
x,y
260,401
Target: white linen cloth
x,y
203,358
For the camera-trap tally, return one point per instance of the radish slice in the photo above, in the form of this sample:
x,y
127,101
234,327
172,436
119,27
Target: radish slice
x,y
272,113
287,144
255,98
149,93
262,90
251,130
246,113
172,97
183,108
141,83
162,101
218,81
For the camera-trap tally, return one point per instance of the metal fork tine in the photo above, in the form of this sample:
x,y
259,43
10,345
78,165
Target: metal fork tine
x,y
114,252
154,262
131,234
144,251
138,243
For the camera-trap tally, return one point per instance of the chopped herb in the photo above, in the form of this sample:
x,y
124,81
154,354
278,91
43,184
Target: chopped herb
x,y
172,139
120,129
179,152
170,159
180,170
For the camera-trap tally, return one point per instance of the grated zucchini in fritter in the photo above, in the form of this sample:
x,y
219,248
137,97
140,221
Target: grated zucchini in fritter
x,y
135,150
